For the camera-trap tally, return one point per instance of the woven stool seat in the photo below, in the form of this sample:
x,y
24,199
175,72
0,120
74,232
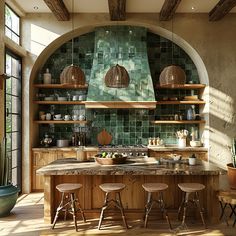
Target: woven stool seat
x,y
68,187
154,187
112,187
191,187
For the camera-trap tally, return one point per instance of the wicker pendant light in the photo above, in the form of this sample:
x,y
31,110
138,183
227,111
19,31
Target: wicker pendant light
x,y
172,75
117,77
72,74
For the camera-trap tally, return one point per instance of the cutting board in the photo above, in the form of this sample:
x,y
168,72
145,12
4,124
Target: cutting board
x,y
104,138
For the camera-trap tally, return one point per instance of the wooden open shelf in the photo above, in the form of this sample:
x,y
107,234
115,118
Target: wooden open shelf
x,y
192,102
185,86
60,102
60,86
61,121
178,122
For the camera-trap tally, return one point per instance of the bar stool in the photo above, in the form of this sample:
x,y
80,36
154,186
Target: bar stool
x,y
155,188
188,189
112,188
68,202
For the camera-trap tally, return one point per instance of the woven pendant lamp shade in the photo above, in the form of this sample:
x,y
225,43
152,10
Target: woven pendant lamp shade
x,y
72,75
117,77
173,76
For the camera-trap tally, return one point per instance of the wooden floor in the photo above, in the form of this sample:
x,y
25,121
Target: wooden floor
x,y
26,219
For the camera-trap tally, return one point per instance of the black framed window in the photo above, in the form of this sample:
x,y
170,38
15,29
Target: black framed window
x,y
12,24
13,114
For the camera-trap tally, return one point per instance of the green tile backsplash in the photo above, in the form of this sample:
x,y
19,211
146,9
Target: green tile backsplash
x,y
127,126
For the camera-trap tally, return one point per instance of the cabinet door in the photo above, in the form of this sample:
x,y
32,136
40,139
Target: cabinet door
x,y
43,158
38,180
66,154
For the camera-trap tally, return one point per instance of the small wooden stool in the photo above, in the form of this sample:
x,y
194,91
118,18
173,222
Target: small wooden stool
x,y
155,188
227,197
112,188
189,188
68,206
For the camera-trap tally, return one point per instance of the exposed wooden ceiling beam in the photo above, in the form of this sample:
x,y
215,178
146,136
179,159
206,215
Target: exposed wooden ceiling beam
x,y
221,9
168,9
117,9
59,9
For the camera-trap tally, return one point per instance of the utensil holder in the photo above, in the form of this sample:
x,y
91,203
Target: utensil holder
x,y
182,142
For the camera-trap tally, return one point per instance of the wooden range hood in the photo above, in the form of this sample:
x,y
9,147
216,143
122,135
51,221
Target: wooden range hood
x,y
121,104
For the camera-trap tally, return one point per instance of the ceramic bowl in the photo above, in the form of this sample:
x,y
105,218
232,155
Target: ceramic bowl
x,y
195,143
62,98
48,99
110,161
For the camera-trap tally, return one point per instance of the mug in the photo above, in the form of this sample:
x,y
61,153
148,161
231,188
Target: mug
x,y
75,97
48,116
57,117
75,117
43,117
67,117
81,117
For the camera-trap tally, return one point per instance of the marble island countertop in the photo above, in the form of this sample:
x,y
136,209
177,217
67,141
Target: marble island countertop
x,y
137,166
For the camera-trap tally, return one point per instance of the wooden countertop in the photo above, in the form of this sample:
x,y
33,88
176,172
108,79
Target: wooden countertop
x,y
135,166
66,149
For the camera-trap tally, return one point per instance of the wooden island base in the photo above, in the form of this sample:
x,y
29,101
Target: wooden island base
x,y
133,196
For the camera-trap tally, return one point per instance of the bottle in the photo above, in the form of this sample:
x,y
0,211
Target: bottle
x,y
47,77
191,114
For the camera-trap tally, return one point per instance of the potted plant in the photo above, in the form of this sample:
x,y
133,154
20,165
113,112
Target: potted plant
x,y
192,160
8,192
232,166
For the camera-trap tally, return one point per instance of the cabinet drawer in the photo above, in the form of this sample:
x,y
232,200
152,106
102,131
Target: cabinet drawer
x,y
66,154
43,158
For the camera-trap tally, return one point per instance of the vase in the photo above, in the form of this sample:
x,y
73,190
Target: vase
x,y
8,197
231,176
192,161
182,142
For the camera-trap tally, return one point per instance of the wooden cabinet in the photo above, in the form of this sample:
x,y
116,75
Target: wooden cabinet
x,y
43,157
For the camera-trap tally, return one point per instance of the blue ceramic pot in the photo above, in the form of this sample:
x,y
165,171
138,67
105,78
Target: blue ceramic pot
x,y
8,197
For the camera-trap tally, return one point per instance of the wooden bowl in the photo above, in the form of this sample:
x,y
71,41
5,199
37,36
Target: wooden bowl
x,y
111,161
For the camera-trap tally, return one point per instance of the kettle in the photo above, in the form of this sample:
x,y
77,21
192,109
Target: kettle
x,y
46,141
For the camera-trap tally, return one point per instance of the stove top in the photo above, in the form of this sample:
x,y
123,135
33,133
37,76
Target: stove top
x,y
130,150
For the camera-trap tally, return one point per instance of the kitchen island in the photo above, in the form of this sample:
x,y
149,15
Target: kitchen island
x,y
134,173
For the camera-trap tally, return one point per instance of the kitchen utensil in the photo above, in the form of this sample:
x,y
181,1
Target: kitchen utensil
x,y
81,154
62,143
104,138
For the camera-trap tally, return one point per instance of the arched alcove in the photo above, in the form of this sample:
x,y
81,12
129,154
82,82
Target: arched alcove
x,y
192,53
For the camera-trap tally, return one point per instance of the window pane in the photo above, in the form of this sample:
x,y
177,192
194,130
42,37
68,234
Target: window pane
x,y
15,38
14,159
14,176
8,102
16,87
8,136
8,124
16,106
16,122
15,140
8,64
12,21
8,85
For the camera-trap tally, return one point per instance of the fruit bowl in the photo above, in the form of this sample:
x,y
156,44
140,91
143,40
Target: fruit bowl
x,y
115,160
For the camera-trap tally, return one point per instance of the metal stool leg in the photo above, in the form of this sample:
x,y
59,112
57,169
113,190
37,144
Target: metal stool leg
x,y
200,208
181,205
59,208
163,209
73,208
185,207
102,212
148,208
81,210
122,210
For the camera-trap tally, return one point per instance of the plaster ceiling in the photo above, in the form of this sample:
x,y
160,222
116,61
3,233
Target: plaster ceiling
x,y
101,6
